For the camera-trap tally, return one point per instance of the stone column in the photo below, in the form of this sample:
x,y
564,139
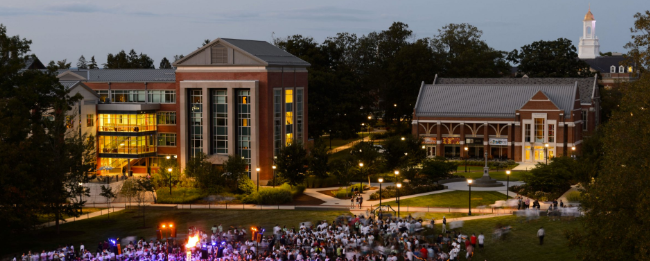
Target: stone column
x,y
439,151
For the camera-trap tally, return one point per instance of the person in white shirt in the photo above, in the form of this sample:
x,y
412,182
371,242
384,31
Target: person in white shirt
x,y
481,239
540,234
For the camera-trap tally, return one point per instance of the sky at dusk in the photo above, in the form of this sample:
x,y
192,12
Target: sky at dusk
x,y
67,29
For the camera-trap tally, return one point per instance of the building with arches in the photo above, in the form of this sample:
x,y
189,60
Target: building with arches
x,y
523,119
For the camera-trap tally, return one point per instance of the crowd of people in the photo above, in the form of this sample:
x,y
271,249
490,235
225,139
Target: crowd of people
x,y
347,238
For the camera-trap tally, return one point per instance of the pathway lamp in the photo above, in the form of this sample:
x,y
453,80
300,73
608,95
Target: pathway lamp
x,y
469,184
257,176
546,152
274,167
396,174
399,185
507,183
466,156
381,180
361,182
169,171
573,151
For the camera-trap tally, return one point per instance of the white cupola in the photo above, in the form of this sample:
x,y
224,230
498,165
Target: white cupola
x,y
589,48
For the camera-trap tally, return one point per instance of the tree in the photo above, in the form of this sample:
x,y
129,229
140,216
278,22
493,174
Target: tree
x,y
164,64
639,48
292,163
437,168
131,61
403,154
168,174
178,57
341,170
549,59
206,41
82,64
364,152
459,48
614,202
107,192
145,185
93,63
555,177
199,168
63,64
318,159
234,168
129,189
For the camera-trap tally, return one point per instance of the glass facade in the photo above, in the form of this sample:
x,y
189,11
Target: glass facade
x,y
162,96
288,116
539,130
127,96
244,127
196,122
220,121
127,122
277,121
103,95
166,118
299,114
167,139
127,144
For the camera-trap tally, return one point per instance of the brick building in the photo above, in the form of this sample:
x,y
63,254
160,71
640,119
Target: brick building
x,y
230,97
523,119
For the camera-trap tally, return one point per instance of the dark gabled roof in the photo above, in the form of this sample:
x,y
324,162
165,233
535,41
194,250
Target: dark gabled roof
x,y
33,62
125,75
488,100
603,63
73,84
261,50
585,85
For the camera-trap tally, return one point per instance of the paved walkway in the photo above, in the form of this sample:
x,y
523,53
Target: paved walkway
x,y
82,217
525,166
349,145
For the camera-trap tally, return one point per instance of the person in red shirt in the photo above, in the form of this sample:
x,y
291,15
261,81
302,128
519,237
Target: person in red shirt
x,y
470,250
423,253
473,240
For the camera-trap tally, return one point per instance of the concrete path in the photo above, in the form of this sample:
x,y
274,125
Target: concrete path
x,y
82,217
349,145
525,166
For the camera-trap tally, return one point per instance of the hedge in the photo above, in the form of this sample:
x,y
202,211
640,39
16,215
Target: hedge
x,y
274,196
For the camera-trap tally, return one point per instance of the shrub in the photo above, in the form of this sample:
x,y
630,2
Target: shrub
x,y
345,192
273,196
574,196
179,195
246,185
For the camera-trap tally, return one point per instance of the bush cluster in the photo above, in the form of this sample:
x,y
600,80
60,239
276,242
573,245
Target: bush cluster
x,y
345,192
405,190
491,164
316,182
527,191
273,196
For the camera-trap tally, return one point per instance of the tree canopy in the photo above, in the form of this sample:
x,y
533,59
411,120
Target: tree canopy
x,y
292,163
133,60
556,58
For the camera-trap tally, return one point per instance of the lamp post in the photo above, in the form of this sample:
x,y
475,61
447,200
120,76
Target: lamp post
x,y
507,182
396,174
546,152
257,176
330,139
81,195
370,138
361,182
466,156
273,175
403,138
469,184
573,150
169,170
381,180
399,185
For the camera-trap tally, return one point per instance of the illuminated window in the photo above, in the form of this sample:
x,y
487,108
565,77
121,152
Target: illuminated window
x,y
277,120
551,133
69,122
103,95
243,127
162,96
629,69
219,121
127,96
167,139
196,122
299,113
166,118
90,120
288,116
539,130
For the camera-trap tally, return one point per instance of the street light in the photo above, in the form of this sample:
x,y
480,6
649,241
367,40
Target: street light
x,y
361,182
170,179
466,156
399,185
403,138
381,180
168,157
469,183
507,183
274,167
573,150
546,152
258,178
81,195
396,174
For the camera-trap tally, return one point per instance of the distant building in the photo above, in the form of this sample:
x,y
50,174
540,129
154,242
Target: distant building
x,y
611,68
523,119
230,97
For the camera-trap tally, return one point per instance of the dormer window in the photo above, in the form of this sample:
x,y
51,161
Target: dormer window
x,y
612,69
629,69
621,69
219,54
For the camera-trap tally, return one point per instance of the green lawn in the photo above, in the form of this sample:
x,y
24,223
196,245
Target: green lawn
x,y
453,199
522,242
84,211
438,215
179,195
501,175
127,223
339,155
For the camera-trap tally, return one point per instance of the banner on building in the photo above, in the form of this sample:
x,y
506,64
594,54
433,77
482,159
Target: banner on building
x,y
451,140
429,140
498,142
474,141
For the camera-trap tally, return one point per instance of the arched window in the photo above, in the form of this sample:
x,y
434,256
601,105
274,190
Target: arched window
x,y
612,69
589,31
621,69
